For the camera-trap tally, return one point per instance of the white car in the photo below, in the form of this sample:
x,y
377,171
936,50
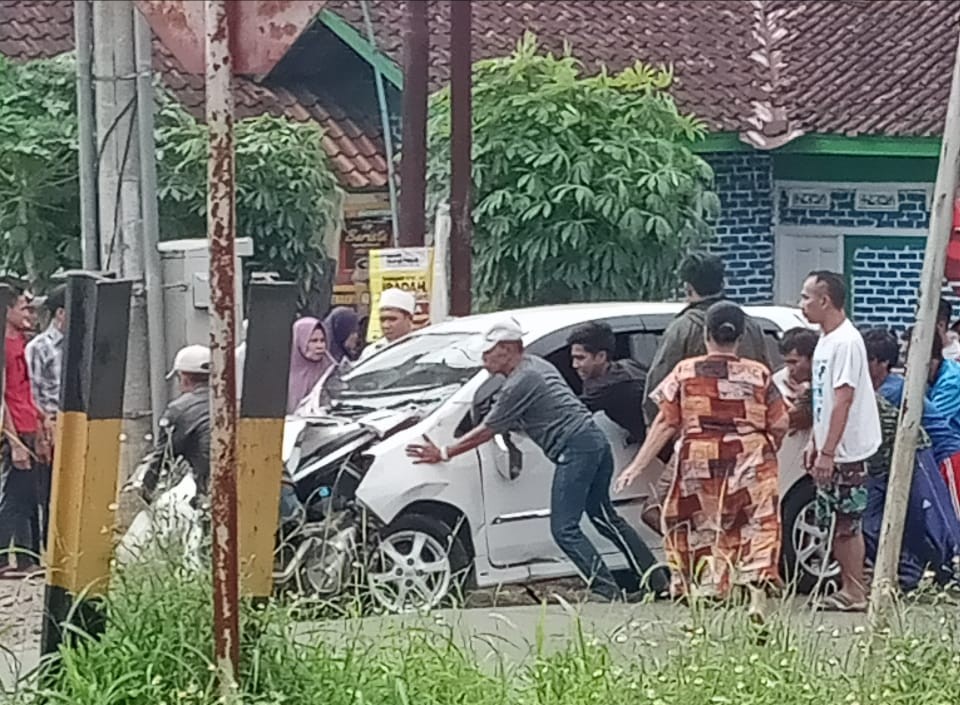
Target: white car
x,y
481,519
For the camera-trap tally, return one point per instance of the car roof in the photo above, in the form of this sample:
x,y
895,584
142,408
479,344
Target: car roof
x,y
539,321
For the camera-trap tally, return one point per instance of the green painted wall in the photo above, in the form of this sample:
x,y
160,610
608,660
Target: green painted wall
x,y
809,167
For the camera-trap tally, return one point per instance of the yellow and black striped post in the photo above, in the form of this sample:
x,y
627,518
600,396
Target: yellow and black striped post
x,y
270,314
86,456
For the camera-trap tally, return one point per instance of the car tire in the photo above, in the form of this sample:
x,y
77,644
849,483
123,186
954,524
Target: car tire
x,y
795,511
402,538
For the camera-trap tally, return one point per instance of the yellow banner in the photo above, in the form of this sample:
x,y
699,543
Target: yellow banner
x,y
407,268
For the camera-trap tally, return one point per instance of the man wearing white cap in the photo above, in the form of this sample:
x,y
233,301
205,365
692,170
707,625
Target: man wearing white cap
x,y
396,308
184,428
537,400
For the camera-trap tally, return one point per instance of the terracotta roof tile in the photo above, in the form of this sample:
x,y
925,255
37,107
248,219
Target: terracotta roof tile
x,y
708,43
848,66
770,69
37,29
880,67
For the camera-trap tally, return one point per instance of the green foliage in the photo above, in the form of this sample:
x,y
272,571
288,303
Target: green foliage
x,y
584,188
288,200
39,200
158,644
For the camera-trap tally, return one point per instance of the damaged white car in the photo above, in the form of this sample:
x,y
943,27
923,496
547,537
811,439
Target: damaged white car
x,y
423,532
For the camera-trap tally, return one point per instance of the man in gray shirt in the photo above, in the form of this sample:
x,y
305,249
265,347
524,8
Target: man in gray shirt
x,y
536,400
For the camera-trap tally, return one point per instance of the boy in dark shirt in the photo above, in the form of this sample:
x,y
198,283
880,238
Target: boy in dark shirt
x,y
612,386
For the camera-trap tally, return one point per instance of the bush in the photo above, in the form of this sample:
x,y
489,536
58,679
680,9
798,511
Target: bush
x,y
585,189
39,188
288,199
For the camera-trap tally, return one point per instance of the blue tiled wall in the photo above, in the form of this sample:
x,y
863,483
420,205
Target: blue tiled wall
x,y
885,280
884,272
744,230
912,212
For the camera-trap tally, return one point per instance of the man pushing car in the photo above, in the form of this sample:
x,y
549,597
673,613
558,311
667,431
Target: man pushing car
x,y
536,400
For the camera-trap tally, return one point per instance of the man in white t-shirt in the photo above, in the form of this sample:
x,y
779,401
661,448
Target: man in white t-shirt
x,y
846,429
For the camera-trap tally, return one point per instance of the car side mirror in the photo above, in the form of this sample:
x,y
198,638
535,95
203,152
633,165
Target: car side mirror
x,y
509,460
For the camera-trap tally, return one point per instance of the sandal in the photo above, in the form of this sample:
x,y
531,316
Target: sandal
x,y
838,602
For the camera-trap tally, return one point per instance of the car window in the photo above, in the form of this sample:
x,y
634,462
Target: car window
x,y
560,358
425,360
773,350
643,346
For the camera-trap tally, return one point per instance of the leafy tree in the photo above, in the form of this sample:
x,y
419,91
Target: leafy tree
x,y
585,188
288,200
39,199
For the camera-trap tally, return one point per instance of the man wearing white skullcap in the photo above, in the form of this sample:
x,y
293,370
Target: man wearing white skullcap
x,y
396,308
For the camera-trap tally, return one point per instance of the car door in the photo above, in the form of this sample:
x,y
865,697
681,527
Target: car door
x,y
517,477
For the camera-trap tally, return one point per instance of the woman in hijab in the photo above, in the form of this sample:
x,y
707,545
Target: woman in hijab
x,y
721,518
310,360
343,326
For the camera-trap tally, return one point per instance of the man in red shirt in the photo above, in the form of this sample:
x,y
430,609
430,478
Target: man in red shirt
x,y
25,445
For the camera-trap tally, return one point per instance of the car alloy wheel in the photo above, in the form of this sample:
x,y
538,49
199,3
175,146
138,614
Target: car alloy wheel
x,y
410,571
811,544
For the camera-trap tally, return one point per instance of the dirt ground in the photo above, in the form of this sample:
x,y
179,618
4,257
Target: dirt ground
x,y
21,607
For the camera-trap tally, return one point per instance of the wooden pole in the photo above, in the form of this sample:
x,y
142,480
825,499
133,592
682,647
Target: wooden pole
x,y
921,342
413,154
461,118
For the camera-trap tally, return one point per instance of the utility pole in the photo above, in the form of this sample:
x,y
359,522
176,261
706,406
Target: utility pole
x,y
921,342
461,139
152,274
87,138
119,191
221,230
106,115
413,157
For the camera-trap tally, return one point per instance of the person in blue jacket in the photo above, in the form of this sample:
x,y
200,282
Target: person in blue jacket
x,y
932,532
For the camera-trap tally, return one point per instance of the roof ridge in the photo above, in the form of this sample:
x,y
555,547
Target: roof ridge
x,y
770,118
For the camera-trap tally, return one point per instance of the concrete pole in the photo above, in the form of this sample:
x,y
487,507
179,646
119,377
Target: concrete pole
x,y
221,230
106,121
87,142
921,342
119,204
128,258
152,273
413,156
461,140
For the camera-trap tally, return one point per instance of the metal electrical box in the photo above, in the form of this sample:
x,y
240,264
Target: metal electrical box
x,y
186,291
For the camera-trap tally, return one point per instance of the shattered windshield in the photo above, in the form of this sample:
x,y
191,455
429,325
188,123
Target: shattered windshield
x,y
425,361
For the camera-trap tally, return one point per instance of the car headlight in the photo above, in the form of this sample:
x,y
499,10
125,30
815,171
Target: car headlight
x,y
293,461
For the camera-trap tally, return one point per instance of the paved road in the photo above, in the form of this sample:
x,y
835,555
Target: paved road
x,y
645,631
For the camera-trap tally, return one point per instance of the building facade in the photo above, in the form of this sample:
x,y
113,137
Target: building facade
x,y
784,215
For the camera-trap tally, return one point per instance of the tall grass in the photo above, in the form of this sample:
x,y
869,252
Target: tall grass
x,y
157,651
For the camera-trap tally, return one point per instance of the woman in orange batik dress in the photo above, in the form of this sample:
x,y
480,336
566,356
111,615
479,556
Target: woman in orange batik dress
x,y
721,517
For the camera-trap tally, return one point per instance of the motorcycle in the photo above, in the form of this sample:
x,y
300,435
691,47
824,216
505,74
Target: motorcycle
x,y
324,536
